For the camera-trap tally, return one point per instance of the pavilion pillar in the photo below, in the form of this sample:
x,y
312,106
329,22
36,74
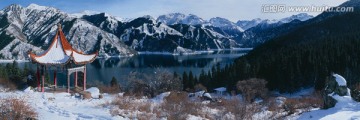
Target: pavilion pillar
x,y
43,82
68,82
55,82
84,80
38,77
43,79
76,77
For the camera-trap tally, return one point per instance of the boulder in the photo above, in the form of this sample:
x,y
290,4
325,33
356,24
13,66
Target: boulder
x,y
335,85
329,102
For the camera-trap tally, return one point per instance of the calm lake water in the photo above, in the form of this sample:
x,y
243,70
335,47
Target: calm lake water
x,y
104,69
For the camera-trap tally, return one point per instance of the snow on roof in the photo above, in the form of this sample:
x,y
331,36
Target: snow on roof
x,y
81,58
220,89
340,80
54,55
60,52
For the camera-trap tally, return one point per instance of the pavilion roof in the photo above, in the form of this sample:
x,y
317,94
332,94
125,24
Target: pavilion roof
x,y
60,52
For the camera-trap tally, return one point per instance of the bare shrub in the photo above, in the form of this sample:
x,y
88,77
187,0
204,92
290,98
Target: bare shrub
x,y
153,84
7,84
200,87
16,109
239,109
111,89
177,106
124,102
127,104
303,103
253,88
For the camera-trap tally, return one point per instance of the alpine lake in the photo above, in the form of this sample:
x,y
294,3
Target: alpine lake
x,y
103,70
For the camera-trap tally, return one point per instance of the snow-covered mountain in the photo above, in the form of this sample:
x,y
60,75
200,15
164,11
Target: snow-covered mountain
x,y
146,34
178,18
33,27
224,24
301,17
246,24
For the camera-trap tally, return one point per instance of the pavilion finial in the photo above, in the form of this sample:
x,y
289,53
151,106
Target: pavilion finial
x,y
59,26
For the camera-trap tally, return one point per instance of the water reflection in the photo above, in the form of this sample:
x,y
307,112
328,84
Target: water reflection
x,y
104,69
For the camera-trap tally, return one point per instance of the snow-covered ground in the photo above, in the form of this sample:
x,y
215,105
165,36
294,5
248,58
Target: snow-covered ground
x,y
345,109
63,106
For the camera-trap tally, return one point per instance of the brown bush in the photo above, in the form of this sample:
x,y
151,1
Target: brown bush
x,y
106,88
252,89
7,84
177,106
16,109
151,85
304,103
124,102
240,110
200,87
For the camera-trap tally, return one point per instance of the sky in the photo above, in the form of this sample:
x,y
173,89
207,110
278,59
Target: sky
x,y
233,10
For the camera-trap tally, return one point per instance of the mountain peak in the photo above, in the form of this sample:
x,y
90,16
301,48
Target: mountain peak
x,y
300,16
36,6
224,23
13,7
180,18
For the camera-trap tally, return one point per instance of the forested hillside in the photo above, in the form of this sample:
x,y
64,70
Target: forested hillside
x,y
305,57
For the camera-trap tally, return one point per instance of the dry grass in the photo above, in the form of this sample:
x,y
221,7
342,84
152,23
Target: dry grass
x,y
7,84
16,109
106,88
303,103
177,106
239,109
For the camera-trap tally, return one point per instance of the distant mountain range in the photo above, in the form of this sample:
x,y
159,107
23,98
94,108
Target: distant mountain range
x,y
32,28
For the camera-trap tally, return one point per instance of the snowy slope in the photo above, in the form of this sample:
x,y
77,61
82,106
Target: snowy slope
x,y
224,24
345,109
16,50
246,24
178,18
63,106
36,25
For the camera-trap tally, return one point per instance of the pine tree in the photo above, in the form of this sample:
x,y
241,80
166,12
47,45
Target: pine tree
x,y
114,82
191,79
185,81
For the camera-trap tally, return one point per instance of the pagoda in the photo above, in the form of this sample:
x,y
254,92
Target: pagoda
x,y
61,55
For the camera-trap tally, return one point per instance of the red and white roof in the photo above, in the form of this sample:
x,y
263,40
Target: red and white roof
x,y
61,52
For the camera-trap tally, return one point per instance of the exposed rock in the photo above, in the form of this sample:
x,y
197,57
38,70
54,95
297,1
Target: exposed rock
x,y
335,85
329,102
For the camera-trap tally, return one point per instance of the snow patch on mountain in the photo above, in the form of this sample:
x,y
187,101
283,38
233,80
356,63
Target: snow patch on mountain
x,y
246,24
301,17
37,7
224,24
178,18
18,50
159,29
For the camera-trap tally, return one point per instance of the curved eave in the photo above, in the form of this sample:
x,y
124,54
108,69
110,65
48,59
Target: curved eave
x,y
85,62
33,58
